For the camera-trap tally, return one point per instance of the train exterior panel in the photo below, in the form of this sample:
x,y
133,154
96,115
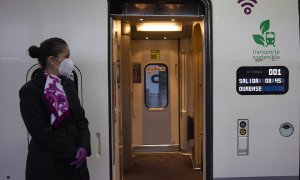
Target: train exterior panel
x,y
240,40
256,87
84,26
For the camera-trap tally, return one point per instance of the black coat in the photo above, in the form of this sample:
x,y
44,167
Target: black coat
x,y
51,150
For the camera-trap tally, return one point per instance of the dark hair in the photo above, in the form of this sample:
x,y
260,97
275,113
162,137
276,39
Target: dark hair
x,y
50,47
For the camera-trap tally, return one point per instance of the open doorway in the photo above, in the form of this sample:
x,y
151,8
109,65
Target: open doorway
x,y
158,86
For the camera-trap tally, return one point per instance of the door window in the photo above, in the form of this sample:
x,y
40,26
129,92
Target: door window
x,y
156,86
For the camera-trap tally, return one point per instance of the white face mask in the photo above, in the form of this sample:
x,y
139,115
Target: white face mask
x,y
66,67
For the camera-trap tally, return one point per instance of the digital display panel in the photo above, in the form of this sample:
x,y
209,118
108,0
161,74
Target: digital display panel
x,y
262,80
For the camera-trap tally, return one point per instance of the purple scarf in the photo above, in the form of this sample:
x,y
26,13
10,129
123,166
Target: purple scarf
x,y
56,98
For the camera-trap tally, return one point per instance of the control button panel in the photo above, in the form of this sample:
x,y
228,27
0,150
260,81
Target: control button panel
x,y
242,137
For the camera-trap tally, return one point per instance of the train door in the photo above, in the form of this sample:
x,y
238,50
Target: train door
x,y
158,84
156,111
198,94
157,114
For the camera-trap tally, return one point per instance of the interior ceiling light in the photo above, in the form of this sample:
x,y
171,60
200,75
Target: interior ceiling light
x,y
159,26
140,5
173,6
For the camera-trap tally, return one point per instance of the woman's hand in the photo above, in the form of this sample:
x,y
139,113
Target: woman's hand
x,y
80,158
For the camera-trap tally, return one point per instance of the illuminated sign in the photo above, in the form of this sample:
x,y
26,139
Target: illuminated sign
x,y
262,80
155,54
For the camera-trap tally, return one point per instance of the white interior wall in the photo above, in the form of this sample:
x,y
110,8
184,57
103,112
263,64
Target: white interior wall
x,y
137,111
126,84
185,50
174,90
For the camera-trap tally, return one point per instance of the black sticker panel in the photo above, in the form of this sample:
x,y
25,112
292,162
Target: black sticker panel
x,y
262,80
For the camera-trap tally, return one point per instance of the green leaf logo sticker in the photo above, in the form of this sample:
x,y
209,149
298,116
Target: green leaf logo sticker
x,y
266,38
265,26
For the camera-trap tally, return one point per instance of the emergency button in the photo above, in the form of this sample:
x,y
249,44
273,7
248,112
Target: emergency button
x,y
243,132
243,124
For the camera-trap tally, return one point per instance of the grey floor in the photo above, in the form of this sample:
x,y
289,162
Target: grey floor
x,y
162,166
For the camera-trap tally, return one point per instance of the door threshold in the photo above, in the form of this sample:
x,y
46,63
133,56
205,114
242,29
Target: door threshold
x,y
156,148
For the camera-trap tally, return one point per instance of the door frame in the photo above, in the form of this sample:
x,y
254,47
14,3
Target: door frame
x,y
208,45
208,51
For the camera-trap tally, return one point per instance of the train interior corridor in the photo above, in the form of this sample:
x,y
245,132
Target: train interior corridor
x,y
157,96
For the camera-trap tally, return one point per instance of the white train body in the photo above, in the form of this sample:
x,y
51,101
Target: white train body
x,y
238,41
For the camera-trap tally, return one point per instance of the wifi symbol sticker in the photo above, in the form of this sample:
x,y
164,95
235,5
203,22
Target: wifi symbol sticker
x,y
247,5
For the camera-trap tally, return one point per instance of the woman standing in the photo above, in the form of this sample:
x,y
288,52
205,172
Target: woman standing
x,y
54,117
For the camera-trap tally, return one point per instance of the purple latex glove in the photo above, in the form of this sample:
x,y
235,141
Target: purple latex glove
x,y
80,157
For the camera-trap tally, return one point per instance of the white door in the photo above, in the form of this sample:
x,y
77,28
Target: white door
x,y
155,100
156,113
